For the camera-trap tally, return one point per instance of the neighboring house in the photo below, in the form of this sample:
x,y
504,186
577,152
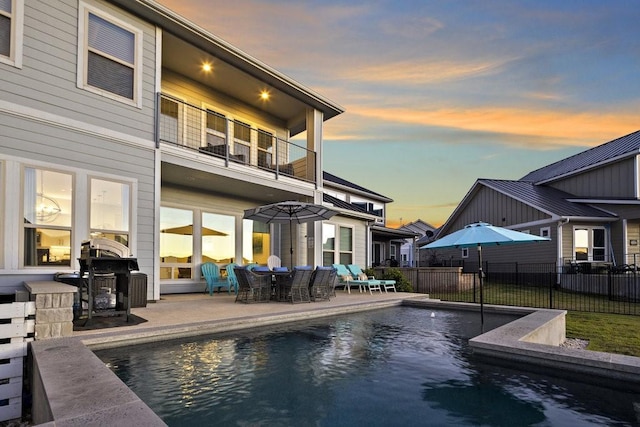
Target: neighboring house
x,y
587,204
363,212
121,119
410,247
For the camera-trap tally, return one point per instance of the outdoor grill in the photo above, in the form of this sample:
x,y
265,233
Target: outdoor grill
x,y
105,270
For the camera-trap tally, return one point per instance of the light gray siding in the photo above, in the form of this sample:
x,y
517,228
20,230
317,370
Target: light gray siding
x,y
47,80
616,180
31,140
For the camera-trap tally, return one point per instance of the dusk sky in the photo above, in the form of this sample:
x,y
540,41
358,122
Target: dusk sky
x,y
440,93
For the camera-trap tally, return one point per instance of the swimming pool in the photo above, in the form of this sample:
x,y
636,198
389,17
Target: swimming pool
x,y
397,366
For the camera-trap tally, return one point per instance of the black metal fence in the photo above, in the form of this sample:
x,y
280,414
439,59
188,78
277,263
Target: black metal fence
x,y
532,285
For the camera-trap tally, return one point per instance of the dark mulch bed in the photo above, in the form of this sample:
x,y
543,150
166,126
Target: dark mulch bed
x,y
103,322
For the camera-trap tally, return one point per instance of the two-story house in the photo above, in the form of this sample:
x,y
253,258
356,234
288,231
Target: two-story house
x,y
587,204
123,120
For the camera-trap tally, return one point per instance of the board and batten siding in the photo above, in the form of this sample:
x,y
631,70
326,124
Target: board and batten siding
x,y
496,208
526,253
201,96
47,80
616,180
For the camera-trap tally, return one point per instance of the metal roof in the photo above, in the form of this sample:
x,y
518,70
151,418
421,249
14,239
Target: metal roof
x,y
342,204
544,198
617,149
343,182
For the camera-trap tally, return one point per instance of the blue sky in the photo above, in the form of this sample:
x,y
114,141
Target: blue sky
x,y
440,93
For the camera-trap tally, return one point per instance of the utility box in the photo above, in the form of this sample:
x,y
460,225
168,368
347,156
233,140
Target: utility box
x,y
138,290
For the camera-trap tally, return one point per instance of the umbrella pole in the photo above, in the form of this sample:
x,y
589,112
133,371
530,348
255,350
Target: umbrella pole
x,y
481,296
291,242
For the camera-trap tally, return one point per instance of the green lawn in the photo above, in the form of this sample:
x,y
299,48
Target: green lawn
x,y
612,333
588,316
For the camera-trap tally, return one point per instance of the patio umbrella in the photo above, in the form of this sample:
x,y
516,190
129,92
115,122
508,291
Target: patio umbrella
x,y
481,234
289,212
188,231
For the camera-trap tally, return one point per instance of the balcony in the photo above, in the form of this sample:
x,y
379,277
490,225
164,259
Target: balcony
x,y
235,142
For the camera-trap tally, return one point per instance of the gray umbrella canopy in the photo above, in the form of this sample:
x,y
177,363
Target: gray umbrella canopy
x,y
482,234
289,212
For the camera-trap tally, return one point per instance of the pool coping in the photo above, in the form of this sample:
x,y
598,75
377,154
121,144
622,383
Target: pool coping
x,y
535,340
66,370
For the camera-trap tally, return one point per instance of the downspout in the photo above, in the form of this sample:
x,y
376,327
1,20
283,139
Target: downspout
x,y
625,239
559,249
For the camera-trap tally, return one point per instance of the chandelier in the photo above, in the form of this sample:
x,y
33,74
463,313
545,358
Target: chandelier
x,y
47,209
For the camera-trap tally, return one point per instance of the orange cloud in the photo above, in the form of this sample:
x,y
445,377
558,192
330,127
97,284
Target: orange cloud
x,y
566,128
418,73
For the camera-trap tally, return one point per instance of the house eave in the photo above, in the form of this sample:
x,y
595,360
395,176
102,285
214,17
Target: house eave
x,y
589,167
170,21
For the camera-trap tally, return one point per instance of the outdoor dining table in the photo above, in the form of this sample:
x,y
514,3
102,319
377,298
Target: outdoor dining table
x,y
276,284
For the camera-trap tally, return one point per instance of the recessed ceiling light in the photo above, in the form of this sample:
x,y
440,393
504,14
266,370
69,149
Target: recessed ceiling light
x,y
207,67
264,95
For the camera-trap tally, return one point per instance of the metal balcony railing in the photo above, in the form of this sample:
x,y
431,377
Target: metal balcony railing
x,y
233,141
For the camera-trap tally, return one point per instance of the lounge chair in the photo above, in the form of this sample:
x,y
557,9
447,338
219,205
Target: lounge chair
x,y
346,279
211,273
385,284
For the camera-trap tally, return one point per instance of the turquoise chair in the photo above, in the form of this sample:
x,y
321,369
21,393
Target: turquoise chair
x,y
385,283
346,279
211,273
231,276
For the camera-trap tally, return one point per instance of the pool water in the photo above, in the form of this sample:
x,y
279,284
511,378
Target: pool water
x,y
393,367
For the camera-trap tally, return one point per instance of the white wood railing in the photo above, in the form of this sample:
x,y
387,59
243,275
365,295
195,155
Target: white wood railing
x,y
16,330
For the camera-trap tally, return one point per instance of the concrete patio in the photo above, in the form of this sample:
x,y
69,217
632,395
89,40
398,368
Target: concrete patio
x,y
182,315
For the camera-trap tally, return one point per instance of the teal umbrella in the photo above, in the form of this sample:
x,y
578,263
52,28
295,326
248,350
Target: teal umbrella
x,y
481,234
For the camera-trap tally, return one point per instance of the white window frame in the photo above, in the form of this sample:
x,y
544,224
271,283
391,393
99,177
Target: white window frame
x,y
590,246
545,232
339,249
16,33
83,48
464,252
126,232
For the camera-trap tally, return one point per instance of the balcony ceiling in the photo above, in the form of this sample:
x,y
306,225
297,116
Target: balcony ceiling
x,y
186,59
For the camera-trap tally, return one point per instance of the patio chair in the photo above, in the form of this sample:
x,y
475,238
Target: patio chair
x,y
385,284
211,274
294,287
347,280
321,287
231,276
252,287
273,261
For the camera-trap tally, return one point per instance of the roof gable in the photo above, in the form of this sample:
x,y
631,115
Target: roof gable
x,y
617,149
344,183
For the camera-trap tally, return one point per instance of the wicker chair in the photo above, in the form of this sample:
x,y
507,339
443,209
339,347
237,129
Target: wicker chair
x,y
252,287
295,286
322,284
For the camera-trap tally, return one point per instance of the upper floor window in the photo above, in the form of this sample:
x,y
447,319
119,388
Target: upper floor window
x,y
47,210
265,149
169,120
109,57
11,29
110,210
216,133
242,138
